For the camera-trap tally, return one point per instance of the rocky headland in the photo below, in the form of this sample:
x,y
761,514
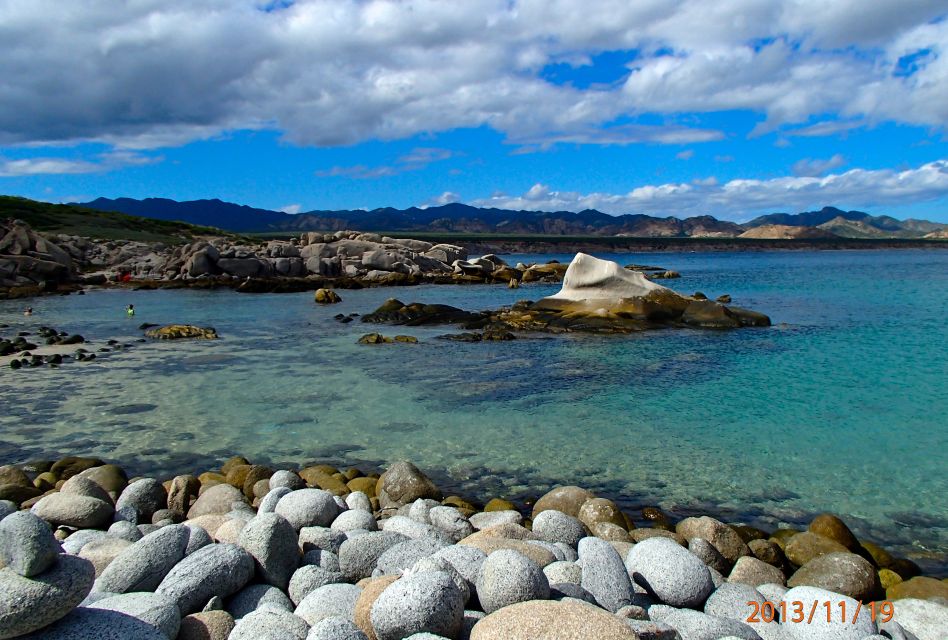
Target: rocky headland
x,y
247,551
597,296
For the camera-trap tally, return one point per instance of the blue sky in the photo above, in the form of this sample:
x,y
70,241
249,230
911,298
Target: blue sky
x,y
730,108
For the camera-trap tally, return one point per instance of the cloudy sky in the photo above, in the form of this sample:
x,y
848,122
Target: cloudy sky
x,y
689,107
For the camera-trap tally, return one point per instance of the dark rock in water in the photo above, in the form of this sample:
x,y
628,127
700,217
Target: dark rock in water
x,y
15,364
146,325
462,337
179,331
378,338
416,314
699,296
725,299
74,339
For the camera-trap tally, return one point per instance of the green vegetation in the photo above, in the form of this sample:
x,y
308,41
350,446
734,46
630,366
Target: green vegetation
x,y
78,221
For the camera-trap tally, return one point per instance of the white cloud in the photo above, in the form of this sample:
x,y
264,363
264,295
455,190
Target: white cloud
x,y
687,154
153,73
817,167
741,199
292,209
445,198
415,160
62,166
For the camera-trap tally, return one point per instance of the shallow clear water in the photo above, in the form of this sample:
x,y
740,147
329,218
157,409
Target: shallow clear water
x,y
841,406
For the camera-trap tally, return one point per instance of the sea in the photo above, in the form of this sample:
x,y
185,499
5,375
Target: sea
x,y
840,406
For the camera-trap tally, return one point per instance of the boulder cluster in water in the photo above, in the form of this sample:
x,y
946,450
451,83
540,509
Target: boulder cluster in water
x,y
251,553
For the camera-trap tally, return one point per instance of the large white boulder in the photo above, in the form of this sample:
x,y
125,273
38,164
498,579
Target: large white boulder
x,y
589,278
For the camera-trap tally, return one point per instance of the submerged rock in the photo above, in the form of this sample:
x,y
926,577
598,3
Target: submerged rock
x,y
179,331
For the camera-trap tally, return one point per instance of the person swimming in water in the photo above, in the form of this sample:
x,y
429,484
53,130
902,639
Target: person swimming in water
x,y
130,310
28,311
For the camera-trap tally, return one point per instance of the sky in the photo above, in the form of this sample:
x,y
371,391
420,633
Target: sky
x,y
731,108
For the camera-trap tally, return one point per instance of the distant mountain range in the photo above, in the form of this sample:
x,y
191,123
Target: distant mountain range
x,y
829,222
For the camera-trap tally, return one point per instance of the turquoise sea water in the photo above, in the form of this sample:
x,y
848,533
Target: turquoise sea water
x,y
841,406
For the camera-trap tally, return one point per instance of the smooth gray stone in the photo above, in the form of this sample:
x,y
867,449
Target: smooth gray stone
x,y
81,512
358,500
562,571
563,590
95,596
27,544
98,624
925,619
819,628
694,625
157,610
82,486
198,537
215,570
269,502
669,572
308,578
7,507
257,596
555,526
354,519
440,564
271,540
125,530
422,602
74,543
569,553
604,574
894,631
32,603
146,496
269,624
772,592
466,560
322,538
330,601
419,510
415,530
284,479
359,556
402,556
494,518
216,603
218,500
335,629
324,559
451,521
143,565
549,546
508,577
308,508
731,599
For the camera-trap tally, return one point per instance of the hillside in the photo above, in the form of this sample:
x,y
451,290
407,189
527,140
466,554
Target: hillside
x,y
465,219
786,232
92,223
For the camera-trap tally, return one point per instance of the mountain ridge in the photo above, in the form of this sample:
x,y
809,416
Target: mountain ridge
x,y
463,218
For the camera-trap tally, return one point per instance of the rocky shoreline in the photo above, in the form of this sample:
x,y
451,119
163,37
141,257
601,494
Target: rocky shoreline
x,y
247,551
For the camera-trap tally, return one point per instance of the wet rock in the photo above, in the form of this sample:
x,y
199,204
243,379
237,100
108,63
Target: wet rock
x,y
806,546
919,587
403,483
182,331
832,527
326,296
725,539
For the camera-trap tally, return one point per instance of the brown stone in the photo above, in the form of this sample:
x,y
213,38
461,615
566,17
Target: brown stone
x,y
597,510
458,503
781,537
10,474
657,517
71,465
18,493
806,546
322,480
882,557
748,533
371,590
233,462
45,481
722,537
610,531
832,527
920,587
536,553
552,620
499,504
184,489
567,499
365,485
110,477
767,551
889,578
403,483
750,570
260,489
210,477
507,530
637,535
844,572
237,474
256,473
352,473
905,568
206,625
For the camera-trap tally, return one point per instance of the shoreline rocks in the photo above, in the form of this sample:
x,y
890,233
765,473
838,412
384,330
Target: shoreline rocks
x,y
388,557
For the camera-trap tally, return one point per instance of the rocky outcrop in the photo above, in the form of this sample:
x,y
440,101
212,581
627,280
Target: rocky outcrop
x,y
597,296
180,331
27,258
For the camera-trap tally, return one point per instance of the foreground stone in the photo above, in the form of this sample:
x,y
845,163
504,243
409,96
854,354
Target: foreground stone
x,y
33,603
545,620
